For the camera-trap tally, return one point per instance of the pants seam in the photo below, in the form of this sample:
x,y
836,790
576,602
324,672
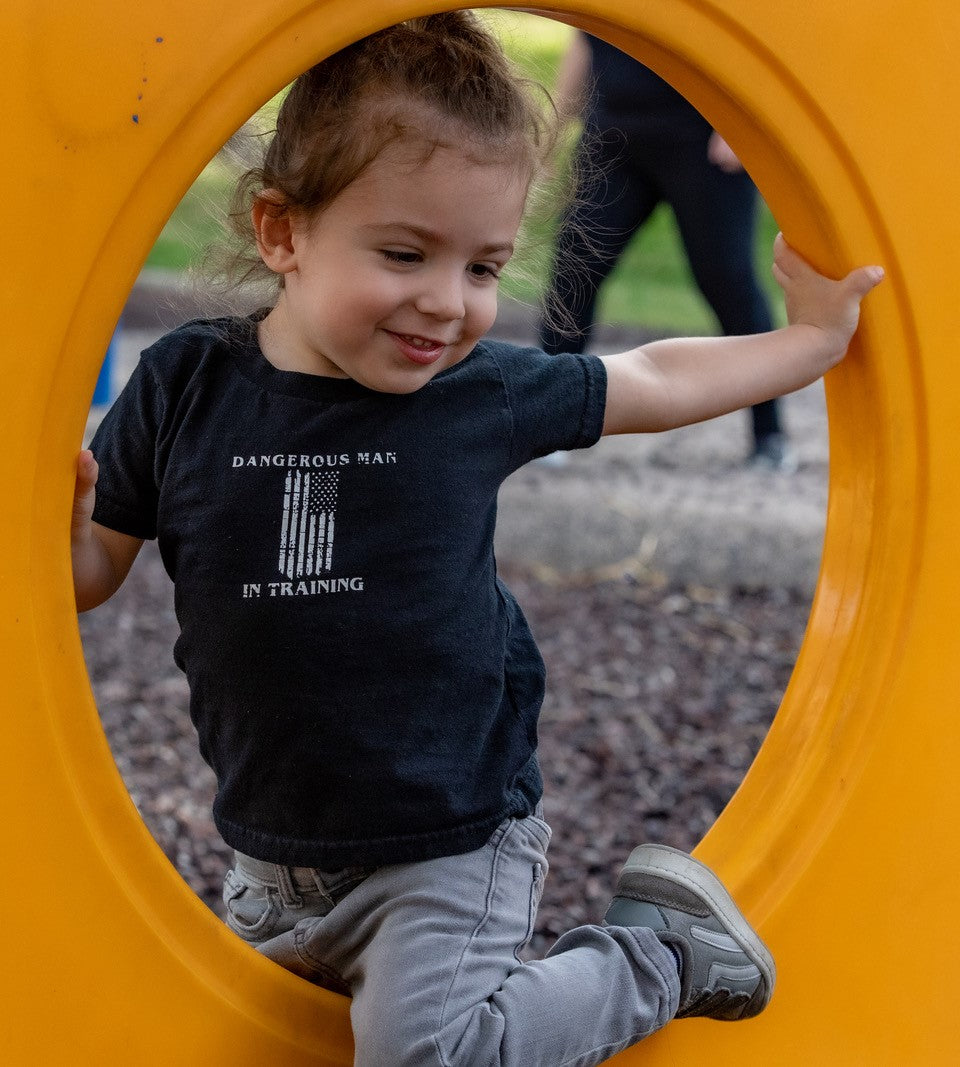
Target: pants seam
x,y
318,966
484,919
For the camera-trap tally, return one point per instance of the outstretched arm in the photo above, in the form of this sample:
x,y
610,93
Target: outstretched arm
x,y
102,557
679,381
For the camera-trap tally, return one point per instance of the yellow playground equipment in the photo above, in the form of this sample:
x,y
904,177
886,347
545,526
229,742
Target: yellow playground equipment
x,y
842,842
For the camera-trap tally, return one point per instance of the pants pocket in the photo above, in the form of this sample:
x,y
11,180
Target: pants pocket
x,y
536,892
252,911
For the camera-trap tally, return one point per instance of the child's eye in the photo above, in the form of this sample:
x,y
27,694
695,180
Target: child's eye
x,y
396,255
484,270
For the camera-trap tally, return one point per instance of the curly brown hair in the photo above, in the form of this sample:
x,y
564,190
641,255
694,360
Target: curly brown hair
x,y
438,80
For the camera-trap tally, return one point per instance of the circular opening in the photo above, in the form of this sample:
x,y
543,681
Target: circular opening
x,y
668,647
813,194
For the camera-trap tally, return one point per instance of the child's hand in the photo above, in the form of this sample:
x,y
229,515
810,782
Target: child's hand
x,y
84,495
814,300
678,381
101,556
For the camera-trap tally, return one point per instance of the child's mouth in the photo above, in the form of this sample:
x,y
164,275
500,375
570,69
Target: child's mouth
x,y
420,350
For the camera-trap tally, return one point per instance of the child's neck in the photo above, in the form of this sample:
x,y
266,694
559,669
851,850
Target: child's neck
x,y
274,337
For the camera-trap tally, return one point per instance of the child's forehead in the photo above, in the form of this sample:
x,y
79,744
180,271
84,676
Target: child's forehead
x,y
443,172
414,164
447,192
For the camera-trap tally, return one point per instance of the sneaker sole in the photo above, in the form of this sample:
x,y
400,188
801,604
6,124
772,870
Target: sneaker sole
x,y
683,869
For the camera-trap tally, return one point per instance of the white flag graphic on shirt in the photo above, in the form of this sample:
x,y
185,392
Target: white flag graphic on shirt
x,y
306,533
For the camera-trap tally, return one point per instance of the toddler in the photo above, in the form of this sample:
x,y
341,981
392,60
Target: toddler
x,y
322,479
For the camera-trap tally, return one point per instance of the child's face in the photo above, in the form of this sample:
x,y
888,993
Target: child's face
x,y
397,279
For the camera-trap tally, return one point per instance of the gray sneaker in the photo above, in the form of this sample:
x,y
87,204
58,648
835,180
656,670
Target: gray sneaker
x,y
726,971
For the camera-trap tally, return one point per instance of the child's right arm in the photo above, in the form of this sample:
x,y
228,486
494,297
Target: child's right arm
x,y
679,381
102,557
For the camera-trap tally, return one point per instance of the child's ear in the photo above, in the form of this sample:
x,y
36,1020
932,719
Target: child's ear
x,y
273,228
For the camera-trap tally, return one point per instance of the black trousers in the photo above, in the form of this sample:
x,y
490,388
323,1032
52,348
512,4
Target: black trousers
x,y
716,212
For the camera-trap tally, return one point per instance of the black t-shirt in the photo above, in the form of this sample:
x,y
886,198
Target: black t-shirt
x,y
363,685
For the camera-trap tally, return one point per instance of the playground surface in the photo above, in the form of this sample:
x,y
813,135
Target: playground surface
x,y
668,587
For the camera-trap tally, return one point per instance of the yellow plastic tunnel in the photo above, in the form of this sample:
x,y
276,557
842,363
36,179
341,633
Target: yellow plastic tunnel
x,y
842,843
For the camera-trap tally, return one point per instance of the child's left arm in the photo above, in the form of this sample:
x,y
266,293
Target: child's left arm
x,y
679,381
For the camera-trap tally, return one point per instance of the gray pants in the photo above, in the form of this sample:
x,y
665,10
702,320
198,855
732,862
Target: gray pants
x,y
430,953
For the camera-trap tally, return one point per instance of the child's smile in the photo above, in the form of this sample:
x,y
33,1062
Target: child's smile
x,y
420,349
397,279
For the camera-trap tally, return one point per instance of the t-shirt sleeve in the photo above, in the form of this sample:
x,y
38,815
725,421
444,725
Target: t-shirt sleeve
x,y
125,447
556,402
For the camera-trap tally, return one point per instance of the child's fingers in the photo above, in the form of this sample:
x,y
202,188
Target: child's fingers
x,y
790,267
84,493
87,471
786,262
860,281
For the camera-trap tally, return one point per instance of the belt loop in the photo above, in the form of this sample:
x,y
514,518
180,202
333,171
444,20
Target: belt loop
x,y
288,893
322,887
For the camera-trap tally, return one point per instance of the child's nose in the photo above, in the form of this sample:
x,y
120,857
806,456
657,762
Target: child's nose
x,y
442,297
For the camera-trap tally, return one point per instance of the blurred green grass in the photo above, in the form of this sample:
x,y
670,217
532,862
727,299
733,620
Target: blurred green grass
x,y
651,285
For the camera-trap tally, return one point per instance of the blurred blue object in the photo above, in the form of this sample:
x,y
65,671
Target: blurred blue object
x,y
103,390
